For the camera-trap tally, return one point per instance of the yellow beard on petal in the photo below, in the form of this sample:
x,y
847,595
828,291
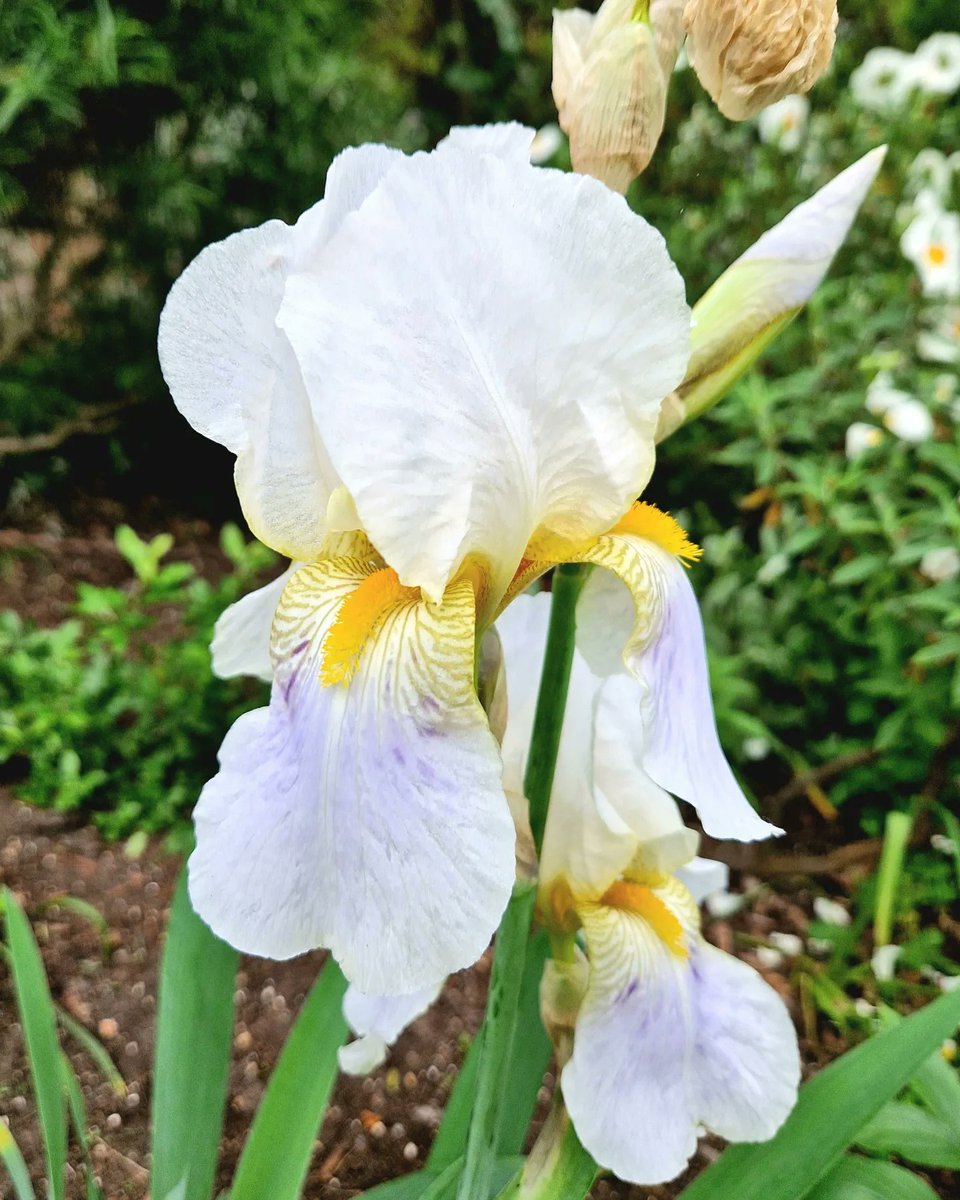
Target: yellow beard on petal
x,y
646,521
638,898
361,615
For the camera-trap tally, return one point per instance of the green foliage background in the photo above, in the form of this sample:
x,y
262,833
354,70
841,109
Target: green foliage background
x,y
135,133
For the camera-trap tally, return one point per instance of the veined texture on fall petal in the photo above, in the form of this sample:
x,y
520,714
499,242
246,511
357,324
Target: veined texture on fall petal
x,y
750,53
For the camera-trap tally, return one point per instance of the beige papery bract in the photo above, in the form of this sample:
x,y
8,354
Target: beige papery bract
x,y
750,53
610,77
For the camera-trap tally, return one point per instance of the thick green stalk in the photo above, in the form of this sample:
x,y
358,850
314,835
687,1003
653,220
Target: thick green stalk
x,y
493,1076
499,1023
552,698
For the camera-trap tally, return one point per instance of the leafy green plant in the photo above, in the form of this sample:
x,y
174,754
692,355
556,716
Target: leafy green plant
x,y
116,711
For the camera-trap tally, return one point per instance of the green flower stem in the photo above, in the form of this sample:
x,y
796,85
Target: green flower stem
x,y
513,935
568,579
558,1167
493,1076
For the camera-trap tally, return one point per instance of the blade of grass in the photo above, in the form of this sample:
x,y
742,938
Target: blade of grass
x,y
911,1133
78,1119
415,1186
194,1033
937,1085
95,1048
12,1159
40,1035
863,1179
276,1157
896,835
84,909
832,1109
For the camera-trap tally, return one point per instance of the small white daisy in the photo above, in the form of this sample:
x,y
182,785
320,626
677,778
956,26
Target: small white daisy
x,y
932,243
884,79
937,64
909,420
860,438
938,566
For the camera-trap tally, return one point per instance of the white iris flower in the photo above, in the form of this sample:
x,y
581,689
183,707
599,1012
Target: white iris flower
x,y
442,380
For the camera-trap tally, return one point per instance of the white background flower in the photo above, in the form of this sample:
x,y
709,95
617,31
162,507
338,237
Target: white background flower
x,y
783,124
884,80
932,243
937,64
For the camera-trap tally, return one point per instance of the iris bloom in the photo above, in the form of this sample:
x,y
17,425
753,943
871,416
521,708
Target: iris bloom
x,y
658,1033
444,378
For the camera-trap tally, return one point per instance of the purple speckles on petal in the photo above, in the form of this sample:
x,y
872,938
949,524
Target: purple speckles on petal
x,y
299,647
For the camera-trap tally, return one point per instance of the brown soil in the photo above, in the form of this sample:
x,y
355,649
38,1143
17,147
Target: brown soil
x,y
376,1128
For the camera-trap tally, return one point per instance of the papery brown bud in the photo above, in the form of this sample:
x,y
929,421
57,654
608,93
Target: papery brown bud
x,y
610,90
750,53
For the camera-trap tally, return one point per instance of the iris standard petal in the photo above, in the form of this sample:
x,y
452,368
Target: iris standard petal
x,y
503,335
665,1043
241,636
507,139
232,372
365,815
378,1021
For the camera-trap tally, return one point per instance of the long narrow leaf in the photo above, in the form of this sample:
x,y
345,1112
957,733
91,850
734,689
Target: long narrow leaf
x,y
896,834
78,1119
911,1133
39,1023
937,1085
496,1043
95,1049
833,1107
529,1058
276,1157
415,1186
194,1033
12,1159
862,1179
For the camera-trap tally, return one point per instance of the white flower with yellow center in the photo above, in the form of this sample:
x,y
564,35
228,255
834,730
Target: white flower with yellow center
x,y
861,437
783,124
884,80
937,64
932,243
910,420
444,378
671,1033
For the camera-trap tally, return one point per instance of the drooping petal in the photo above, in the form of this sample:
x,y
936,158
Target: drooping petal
x,y
746,1048
704,877
232,372
666,1043
241,636
378,1021
503,335
365,815
665,651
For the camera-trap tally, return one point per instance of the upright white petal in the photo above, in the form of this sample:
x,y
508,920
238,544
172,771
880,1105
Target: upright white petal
x,y
241,636
232,372
366,816
499,333
704,877
509,140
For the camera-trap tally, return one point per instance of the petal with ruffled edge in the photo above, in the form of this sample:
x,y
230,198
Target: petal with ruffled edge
x,y
366,815
507,139
503,335
232,372
665,1044
663,646
241,636
378,1021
